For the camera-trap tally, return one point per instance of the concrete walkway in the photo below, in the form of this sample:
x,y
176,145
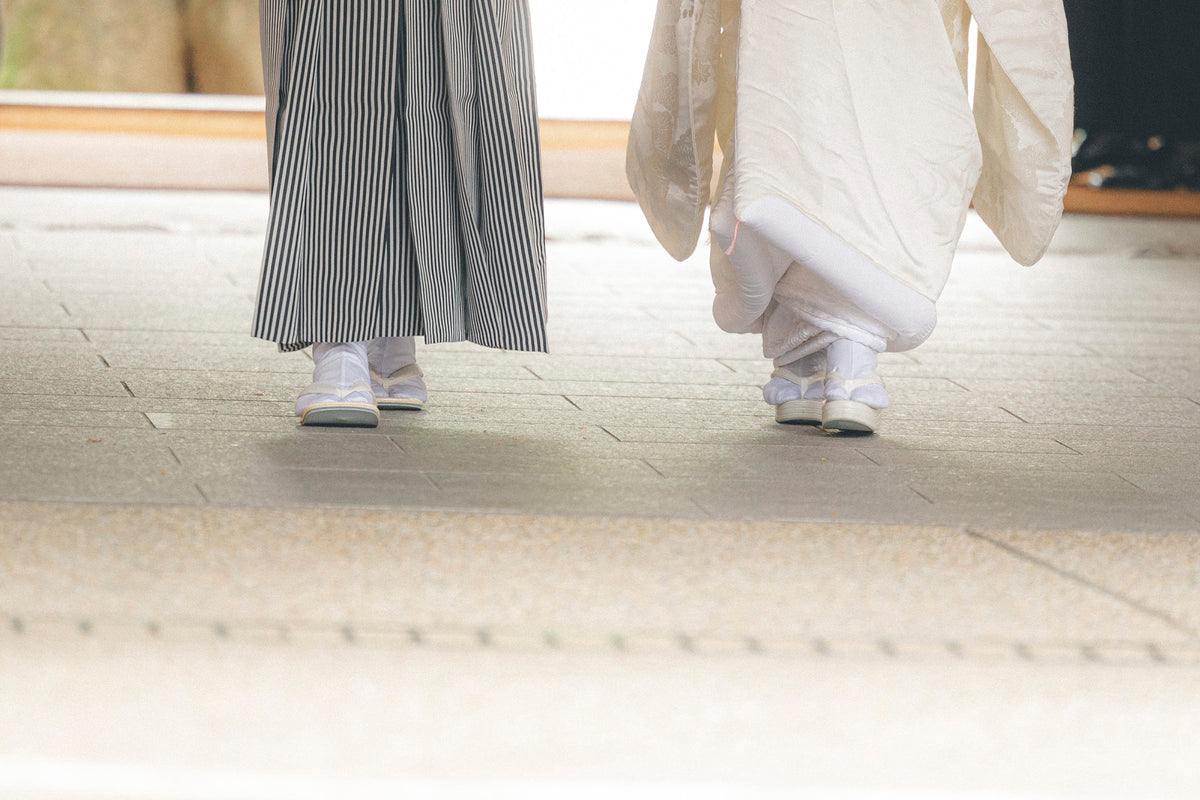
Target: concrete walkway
x,y
602,572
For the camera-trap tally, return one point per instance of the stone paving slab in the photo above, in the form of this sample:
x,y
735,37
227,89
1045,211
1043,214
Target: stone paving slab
x,y
985,414
96,465
1174,559
238,454
732,579
110,398
946,443
531,385
14,334
286,487
208,455
803,640
31,382
235,423
85,419
194,357
999,366
230,385
465,437
1177,490
180,339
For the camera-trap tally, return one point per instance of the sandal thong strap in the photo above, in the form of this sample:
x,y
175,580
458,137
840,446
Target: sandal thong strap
x,y
400,376
340,392
800,380
854,383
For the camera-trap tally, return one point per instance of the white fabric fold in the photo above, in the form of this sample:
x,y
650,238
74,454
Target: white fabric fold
x,y
851,153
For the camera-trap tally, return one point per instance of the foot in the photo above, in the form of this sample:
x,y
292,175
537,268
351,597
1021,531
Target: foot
x,y
396,380
403,390
797,390
340,394
854,393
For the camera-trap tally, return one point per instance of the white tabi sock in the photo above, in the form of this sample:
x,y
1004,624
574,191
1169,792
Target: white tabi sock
x,y
340,375
396,378
810,369
389,354
851,374
340,364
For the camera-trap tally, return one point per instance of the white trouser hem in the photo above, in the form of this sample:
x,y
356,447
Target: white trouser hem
x,y
803,287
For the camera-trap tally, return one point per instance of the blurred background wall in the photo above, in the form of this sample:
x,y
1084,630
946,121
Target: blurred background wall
x,y
206,46
211,46
1136,65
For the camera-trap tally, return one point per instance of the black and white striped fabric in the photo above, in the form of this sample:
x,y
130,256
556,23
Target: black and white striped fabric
x,y
406,190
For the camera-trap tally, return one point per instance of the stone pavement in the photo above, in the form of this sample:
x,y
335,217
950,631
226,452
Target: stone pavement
x,y
601,572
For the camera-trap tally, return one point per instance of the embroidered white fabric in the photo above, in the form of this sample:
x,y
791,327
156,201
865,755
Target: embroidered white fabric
x,y
854,117
779,272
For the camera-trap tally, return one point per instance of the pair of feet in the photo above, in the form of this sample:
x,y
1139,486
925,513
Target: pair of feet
x,y
353,381
836,388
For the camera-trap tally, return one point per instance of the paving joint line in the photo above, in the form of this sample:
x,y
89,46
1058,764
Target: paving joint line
x,y
1016,415
922,496
1091,585
867,456
1131,483
646,461
635,642
1064,444
610,433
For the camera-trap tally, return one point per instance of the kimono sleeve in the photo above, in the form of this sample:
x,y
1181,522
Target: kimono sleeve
x,y
669,162
1024,107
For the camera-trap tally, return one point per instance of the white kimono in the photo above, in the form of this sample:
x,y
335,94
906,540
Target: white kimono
x,y
851,153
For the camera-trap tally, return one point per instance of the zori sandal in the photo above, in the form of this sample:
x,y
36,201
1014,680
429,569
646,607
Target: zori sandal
x,y
403,390
798,398
805,407
854,394
338,406
845,413
340,394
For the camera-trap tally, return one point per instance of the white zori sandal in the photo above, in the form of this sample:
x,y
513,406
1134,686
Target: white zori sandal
x,y
396,380
854,393
798,391
340,394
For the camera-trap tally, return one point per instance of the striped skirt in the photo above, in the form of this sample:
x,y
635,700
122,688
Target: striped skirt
x,y
406,193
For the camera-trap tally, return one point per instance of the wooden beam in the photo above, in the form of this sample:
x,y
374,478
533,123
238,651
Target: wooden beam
x,y
1132,202
179,119
141,121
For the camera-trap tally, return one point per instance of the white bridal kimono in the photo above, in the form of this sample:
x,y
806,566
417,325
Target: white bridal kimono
x,y
851,153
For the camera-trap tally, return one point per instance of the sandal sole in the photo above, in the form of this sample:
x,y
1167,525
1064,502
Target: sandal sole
x,y
341,415
850,416
799,412
398,404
